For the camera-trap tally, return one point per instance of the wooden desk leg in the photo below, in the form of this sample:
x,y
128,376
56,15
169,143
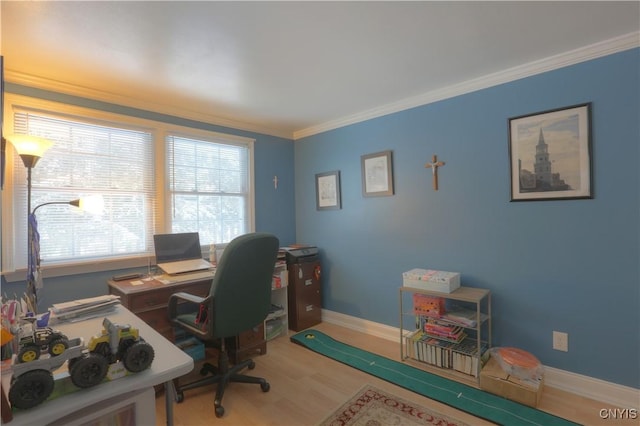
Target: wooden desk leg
x,y
7,414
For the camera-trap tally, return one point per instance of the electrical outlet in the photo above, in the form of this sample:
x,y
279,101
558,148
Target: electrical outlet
x,y
560,341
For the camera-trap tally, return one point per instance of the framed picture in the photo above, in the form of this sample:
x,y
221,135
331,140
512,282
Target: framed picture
x,y
328,191
377,174
550,154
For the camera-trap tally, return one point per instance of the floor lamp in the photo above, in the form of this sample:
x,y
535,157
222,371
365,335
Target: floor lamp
x,y
30,149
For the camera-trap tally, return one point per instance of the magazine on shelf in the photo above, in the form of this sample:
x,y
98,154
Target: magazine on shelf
x,y
463,316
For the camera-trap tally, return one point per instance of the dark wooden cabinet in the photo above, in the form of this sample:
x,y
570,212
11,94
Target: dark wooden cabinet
x,y
304,295
149,301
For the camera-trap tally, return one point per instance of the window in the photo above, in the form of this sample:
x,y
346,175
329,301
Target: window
x,y
208,187
86,159
154,177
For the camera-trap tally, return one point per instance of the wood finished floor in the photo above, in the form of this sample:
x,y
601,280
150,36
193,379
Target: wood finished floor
x,y
306,387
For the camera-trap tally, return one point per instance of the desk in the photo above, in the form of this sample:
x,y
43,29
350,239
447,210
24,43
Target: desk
x,y
148,299
169,363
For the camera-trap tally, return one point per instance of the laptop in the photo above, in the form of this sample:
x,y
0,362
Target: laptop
x,y
179,253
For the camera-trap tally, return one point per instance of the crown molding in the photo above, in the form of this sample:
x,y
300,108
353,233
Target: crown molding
x,y
159,108
593,51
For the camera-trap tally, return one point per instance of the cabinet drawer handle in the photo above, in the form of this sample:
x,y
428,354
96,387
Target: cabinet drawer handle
x,y
308,282
309,308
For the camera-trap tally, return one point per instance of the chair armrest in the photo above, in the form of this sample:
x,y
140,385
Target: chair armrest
x,y
187,297
175,298
191,299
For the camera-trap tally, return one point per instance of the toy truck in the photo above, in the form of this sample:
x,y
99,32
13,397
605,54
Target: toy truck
x,y
122,343
34,340
32,382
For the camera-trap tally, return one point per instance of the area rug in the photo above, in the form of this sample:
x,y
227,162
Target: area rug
x,y
463,397
371,406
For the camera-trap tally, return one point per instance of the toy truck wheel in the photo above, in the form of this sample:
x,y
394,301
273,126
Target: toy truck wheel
x,y
138,356
88,370
31,389
28,352
58,346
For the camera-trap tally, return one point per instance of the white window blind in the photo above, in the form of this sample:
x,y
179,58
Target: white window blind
x,y
86,159
209,187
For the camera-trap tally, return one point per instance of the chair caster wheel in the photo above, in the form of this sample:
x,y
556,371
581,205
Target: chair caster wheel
x,y
251,365
179,397
265,386
219,411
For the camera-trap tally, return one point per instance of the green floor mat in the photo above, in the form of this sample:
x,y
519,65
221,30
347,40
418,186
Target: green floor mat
x,y
466,398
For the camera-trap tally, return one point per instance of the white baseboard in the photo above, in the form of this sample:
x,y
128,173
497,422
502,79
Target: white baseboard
x,y
588,387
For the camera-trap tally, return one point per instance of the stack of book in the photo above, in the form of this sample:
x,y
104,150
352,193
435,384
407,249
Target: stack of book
x,y
445,331
462,356
442,340
78,310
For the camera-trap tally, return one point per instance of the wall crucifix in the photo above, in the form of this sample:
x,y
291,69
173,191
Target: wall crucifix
x,y
433,165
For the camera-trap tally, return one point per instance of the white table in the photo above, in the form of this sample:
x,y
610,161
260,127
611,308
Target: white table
x,y
169,362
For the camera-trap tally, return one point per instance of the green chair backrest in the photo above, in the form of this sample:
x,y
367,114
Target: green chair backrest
x,y
242,284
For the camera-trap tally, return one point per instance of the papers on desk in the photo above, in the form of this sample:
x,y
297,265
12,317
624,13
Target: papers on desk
x,y
81,309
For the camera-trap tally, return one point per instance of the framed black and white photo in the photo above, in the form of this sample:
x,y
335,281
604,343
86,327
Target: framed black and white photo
x,y
377,174
550,154
328,191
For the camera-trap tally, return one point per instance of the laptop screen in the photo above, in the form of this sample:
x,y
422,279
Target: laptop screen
x,y
175,247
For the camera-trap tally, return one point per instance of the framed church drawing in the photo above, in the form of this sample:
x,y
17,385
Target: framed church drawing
x,y
550,154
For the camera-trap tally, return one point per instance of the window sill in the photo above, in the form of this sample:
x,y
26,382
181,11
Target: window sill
x,y
76,268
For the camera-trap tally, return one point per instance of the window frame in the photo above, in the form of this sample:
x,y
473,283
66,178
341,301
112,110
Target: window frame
x,y
159,130
218,138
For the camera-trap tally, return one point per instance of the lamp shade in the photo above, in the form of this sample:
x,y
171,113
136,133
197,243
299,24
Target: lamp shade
x,y
30,145
29,148
92,204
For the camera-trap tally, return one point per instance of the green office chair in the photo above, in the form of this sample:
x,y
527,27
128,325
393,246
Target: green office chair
x,y
239,300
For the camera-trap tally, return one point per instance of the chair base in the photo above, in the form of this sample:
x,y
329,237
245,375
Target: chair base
x,y
223,375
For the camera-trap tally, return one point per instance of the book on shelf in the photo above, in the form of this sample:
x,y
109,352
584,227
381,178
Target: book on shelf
x,y
463,316
457,338
450,333
441,330
462,357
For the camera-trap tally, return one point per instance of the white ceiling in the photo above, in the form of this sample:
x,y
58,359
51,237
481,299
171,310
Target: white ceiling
x,y
293,68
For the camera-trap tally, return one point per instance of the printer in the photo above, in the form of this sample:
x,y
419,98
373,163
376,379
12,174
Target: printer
x,y
300,254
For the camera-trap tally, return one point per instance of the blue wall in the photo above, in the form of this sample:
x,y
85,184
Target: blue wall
x,y
570,266
274,208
